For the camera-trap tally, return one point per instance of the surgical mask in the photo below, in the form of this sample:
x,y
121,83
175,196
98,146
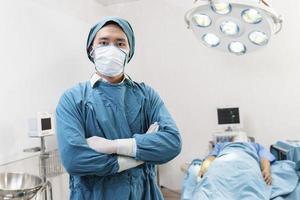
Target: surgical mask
x,y
109,60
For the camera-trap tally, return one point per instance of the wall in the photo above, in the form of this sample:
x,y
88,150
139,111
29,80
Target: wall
x,y
42,54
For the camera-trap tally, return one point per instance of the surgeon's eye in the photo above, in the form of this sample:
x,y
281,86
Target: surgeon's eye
x,y
103,43
121,44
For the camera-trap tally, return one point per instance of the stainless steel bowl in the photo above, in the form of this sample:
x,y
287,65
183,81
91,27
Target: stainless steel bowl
x,y
19,186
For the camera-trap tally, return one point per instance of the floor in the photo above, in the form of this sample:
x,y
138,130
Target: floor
x,y
170,194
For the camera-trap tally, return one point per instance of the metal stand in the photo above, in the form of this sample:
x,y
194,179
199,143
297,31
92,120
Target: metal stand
x,y
42,159
43,191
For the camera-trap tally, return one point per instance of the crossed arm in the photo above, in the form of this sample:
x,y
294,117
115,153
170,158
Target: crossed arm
x,y
124,148
80,158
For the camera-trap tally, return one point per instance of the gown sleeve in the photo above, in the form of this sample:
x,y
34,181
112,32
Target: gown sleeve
x,y
77,157
163,145
217,149
264,153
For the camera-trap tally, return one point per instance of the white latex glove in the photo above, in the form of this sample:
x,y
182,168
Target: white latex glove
x,y
102,145
126,147
127,163
153,128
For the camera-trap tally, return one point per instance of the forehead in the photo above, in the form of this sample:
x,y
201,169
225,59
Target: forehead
x,y
111,31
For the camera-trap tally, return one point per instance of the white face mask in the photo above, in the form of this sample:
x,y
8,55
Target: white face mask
x,y
109,60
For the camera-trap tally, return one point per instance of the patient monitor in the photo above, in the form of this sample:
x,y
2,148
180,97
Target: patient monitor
x,y
229,123
42,125
229,118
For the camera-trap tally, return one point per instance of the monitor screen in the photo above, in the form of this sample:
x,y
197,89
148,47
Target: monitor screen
x,y
46,124
228,116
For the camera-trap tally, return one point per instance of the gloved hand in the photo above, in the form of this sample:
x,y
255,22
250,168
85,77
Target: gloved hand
x,y
102,145
153,128
127,163
126,147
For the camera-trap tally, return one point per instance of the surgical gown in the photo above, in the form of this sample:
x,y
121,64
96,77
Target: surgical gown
x,y
114,111
259,149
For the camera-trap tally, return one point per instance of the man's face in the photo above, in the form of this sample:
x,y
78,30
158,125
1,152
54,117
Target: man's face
x,y
111,35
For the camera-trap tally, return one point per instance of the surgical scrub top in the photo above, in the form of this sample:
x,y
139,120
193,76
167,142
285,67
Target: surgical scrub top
x,y
114,111
260,150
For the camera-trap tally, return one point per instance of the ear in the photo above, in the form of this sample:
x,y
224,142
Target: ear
x,y
128,56
90,49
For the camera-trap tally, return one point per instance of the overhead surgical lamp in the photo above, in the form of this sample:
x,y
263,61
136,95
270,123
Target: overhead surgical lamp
x,y
235,26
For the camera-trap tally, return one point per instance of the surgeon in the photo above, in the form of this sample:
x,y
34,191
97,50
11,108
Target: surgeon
x,y
111,130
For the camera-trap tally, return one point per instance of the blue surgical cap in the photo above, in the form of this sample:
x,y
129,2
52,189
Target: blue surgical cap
x,y
125,26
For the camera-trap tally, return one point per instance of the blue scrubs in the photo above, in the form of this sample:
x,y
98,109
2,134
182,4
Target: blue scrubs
x,y
114,111
260,150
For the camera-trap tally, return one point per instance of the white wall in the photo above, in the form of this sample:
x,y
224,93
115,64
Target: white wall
x,y
42,54
45,41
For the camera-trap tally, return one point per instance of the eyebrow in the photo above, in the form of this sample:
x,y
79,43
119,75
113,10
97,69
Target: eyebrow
x,y
106,38
121,40
103,38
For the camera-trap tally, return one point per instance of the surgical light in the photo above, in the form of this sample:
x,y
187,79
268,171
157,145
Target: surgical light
x,y
221,8
237,48
211,40
229,28
202,20
234,26
251,16
258,38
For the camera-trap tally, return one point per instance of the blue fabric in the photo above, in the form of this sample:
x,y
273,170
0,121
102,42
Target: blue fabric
x,y
235,174
124,24
190,179
293,150
285,178
295,195
260,150
124,110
